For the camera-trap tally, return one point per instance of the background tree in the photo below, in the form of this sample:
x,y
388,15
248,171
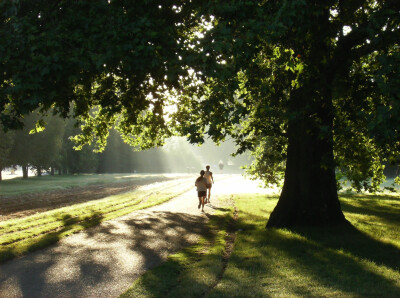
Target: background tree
x,y
110,160
46,145
21,153
6,144
72,161
308,86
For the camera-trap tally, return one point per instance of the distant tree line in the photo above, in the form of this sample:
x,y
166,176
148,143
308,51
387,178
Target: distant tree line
x,y
52,152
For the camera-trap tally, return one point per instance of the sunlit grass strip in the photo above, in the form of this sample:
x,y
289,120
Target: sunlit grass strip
x,y
20,186
51,226
118,201
106,205
376,215
191,272
114,200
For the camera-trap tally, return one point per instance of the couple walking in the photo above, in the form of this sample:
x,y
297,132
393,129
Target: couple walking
x,y
204,183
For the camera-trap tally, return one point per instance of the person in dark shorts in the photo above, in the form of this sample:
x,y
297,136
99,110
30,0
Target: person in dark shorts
x,y
210,181
201,184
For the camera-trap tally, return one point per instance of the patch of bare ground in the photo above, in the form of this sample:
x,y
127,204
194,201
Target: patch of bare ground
x,y
27,204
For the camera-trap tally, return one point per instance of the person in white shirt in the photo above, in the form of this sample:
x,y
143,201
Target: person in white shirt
x,y
210,181
201,184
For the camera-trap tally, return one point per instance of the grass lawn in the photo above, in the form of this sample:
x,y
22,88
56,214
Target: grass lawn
x,y
361,261
36,184
22,235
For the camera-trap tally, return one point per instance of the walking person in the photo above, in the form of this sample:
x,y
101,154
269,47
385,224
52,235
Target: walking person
x,y
201,184
210,181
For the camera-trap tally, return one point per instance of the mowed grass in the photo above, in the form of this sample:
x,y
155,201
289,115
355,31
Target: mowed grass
x,y
358,261
18,186
20,236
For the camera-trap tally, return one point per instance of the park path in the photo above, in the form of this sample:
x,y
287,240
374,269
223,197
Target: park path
x,y
103,261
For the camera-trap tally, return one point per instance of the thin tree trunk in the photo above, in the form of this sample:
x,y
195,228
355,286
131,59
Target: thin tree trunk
x,y
39,171
309,194
25,172
1,177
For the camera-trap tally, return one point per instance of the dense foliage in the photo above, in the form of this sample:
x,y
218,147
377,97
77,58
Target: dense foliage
x,y
310,87
118,56
341,56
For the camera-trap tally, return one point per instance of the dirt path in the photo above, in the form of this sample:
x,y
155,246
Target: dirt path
x,y
104,261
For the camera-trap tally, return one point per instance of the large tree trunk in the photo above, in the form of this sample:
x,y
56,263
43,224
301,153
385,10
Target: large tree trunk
x,y
309,194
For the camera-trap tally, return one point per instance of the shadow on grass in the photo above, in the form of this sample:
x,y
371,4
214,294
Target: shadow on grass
x,y
69,225
217,208
40,200
350,240
171,279
336,257
172,231
389,211
381,197
115,253
311,262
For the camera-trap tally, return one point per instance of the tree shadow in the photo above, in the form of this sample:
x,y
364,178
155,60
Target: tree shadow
x,y
115,252
389,213
165,233
217,208
170,279
16,206
349,239
381,197
69,224
335,256
331,258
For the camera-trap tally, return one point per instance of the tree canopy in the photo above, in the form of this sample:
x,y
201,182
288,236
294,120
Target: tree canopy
x,y
310,87
117,56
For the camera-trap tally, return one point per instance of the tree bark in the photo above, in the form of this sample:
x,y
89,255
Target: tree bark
x,y
309,194
25,172
39,171
1,178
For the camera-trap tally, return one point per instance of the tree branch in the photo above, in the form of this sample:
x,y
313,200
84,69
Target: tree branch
x,y
372,29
